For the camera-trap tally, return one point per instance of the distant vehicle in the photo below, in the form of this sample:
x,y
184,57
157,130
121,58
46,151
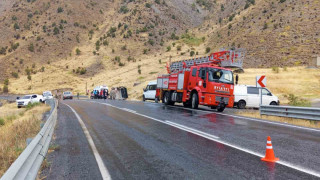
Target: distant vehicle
x,y
29,99
47,95
249,96
100,92
150,91
67,95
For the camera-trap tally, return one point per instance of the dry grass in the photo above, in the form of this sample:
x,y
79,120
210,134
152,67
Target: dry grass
x,y
20,124
300,81
298,122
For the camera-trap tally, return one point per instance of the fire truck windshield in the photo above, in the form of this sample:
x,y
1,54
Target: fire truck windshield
x,y
221,76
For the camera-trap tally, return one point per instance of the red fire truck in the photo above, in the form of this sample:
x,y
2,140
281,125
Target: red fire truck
x,y
204,81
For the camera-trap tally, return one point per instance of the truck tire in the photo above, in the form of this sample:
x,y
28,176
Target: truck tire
x,y
166,98
195,101
187,104
221,109
143,98
241,104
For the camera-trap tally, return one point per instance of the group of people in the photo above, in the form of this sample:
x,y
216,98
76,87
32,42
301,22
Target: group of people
x,y
102,94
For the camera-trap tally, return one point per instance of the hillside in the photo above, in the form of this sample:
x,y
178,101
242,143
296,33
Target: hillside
x,y
74,44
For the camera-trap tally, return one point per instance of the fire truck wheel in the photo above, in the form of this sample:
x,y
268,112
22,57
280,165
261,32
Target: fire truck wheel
x,y
220,109
143,98
213,107
195,101
166,98
186,104
241,104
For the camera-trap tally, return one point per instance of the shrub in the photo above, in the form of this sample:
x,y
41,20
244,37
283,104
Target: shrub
x,y
168,48
105,43
6,82
145,51
29,77
14,18
296,101
148,5
56,31
60,10
121,64
265,26
124,47
275,69
157,1
282,1
208,49
222,7
16,26
31,47
124,9
42,69
5,89
78,52
15,74
83,71
192,53
151,42
159,61
2,122
178,48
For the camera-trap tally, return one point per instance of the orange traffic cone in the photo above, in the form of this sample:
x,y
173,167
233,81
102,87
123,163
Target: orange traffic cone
x,y
269,152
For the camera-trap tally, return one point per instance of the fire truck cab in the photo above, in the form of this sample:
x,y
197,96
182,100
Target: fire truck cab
x,y
197,82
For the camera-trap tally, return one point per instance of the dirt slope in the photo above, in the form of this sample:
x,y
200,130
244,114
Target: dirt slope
x,y
68,44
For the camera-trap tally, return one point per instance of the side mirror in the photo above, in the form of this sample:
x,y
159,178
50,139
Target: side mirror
x,y
269,94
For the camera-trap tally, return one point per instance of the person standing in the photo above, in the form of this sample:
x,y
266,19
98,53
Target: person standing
x,y
104,94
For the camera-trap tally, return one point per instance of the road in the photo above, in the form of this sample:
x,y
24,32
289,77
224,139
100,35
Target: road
x,y
142,140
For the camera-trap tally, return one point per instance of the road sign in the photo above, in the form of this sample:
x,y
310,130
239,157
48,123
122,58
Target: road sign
x,y
261,81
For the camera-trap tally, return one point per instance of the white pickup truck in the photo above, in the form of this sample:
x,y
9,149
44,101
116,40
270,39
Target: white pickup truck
x,y
29,99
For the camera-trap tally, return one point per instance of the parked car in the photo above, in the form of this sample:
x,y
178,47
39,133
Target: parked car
x,y
67,95
47,95
249,96
150,91
29,99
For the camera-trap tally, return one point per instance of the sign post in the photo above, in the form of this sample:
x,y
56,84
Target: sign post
x,y
261,82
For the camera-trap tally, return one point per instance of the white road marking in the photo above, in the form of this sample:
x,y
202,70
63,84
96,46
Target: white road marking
x,y
191,130
203,134
251,119
103,169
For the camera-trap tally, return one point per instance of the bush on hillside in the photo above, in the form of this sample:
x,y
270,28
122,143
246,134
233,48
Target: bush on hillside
x,y
296,101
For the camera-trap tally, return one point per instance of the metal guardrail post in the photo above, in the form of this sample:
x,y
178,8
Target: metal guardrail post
x,y
29,162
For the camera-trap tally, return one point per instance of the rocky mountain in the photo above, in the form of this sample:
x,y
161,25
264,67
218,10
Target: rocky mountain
x,y
88,41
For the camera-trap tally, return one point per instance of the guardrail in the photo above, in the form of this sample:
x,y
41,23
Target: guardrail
x,y
291,112
28,163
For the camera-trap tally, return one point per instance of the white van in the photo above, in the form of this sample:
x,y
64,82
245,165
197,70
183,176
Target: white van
x,y
249,96
150,91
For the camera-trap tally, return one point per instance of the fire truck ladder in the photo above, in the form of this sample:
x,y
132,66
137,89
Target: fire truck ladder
x,y
223,58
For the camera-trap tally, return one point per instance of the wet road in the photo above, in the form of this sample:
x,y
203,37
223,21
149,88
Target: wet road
x,y
141,140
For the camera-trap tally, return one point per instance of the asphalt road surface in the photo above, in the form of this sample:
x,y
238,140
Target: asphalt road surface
x,y
142,140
